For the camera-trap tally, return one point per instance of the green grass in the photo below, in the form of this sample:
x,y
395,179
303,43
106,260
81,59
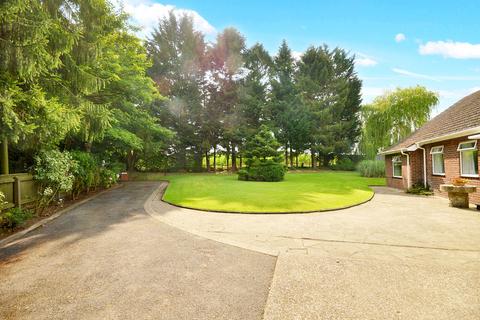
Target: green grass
x,y
312,191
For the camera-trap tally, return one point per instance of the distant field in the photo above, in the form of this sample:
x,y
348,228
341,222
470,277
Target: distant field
x,y
312,191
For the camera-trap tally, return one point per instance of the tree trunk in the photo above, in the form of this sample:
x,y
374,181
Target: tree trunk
x,y
88,147
286,155
207,161
291,158
215,158
227,156
314,160
241,162
4,156
234,158
296,160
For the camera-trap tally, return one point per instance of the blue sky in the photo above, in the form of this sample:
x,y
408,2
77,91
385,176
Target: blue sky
x,y
397,43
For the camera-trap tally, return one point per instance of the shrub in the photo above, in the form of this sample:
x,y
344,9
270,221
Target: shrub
x,y
420,189
371,168
14,217
263,170
85,172
107,177
54,172
344,164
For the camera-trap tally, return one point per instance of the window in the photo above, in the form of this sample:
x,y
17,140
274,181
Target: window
x,y
468,158
397,166
438,166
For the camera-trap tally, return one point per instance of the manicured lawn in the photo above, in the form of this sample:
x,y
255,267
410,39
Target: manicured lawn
x,y
298,192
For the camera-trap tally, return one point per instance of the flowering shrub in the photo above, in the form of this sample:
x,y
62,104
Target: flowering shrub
x,y
54,174
2,200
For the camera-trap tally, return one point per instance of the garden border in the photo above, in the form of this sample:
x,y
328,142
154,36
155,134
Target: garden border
x,y
41,223
275,212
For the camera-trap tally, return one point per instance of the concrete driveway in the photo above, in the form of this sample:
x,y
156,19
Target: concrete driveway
x,y
128,255
108,259
395,257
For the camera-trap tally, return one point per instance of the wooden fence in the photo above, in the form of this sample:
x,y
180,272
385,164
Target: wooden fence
x,y
19,189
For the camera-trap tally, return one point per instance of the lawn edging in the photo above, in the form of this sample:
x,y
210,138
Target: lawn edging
x,y
41,223
273,212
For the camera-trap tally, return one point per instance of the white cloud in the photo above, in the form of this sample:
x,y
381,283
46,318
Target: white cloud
x,y
399,37
434,78
146,15
414,75
297,55
451,49
364,61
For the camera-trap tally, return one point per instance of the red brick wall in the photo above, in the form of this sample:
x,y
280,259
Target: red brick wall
x,y
399,183
452,167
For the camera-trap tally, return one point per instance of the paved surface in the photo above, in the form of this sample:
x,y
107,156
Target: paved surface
x,y
395,257
108,259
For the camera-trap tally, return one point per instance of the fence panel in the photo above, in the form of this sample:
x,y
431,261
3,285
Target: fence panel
x,y
18,188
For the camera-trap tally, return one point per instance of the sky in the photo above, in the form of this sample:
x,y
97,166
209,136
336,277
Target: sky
x,y
435,44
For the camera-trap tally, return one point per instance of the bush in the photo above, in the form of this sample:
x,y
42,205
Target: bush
x,y
86,172
263,170
420,189
344,164
371,168
14,217
107,178
54,173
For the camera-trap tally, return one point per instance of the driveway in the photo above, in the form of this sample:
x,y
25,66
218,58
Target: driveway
x,y
128,255
395,257
109,259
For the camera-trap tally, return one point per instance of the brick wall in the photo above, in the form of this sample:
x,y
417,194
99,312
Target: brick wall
x,y
452,167
399,183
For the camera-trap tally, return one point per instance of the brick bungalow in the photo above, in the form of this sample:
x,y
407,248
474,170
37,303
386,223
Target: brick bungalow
x,y
444,148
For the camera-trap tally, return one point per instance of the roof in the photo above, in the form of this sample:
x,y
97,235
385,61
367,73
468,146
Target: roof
x,y
463,115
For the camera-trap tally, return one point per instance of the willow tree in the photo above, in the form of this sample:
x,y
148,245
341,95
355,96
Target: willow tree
x,y
394,116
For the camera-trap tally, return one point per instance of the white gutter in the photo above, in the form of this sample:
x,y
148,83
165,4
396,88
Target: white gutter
x,y
408,167
474,137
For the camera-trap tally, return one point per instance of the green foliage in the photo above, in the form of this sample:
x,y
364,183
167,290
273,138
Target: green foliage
x,y
343,164
371,168
262,145
14,217
393,116
54,173
86,173
263,158
263,170
108,178
420,189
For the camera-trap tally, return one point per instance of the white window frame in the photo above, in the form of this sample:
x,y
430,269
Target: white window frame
x,y
467,149
397,159
437,150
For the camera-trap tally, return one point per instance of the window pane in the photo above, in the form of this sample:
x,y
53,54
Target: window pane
x,y
470,162
438,166
466,145
397,169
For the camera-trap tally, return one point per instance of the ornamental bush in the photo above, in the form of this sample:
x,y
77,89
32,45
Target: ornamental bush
x,y
263,170
54,173
371,168
343,164
263,158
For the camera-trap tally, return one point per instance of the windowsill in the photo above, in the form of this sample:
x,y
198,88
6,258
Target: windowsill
x,y
438,174
397,177
470,175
